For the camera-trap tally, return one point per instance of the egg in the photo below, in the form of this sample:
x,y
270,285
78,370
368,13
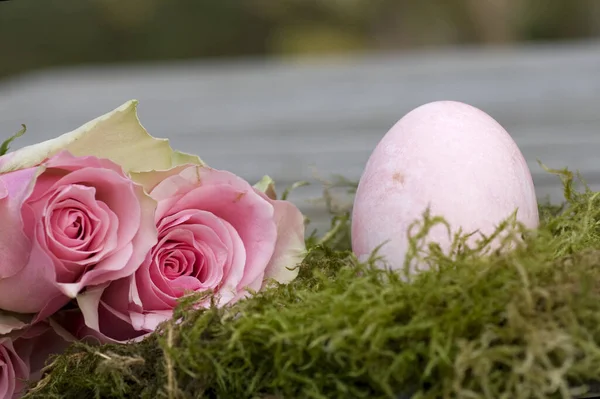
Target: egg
x,y
449,157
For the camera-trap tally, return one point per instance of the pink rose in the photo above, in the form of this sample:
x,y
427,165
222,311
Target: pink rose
x,y
215,232
23,354
14,371
67,224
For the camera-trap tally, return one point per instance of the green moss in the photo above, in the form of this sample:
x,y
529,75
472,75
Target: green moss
x,y
513,324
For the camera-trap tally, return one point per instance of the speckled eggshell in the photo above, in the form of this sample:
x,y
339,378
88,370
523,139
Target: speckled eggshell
x,y
447,155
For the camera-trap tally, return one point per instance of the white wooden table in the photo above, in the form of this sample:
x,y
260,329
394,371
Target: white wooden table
x,y
290,119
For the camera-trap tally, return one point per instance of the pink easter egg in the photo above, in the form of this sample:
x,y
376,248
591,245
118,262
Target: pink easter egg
x,y
450,157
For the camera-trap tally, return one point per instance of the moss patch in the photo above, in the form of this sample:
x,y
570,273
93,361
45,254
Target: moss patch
x,y
518,324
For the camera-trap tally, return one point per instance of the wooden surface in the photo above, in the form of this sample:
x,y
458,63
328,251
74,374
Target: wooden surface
x,y
293,120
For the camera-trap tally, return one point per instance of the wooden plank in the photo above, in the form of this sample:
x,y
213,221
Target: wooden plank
x,y
290,119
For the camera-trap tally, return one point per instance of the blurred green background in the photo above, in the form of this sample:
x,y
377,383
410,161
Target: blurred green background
x,y
37,34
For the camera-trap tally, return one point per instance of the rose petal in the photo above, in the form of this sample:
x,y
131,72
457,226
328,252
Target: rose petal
x,y
149,321
117,135
14,243
9,323
88,303
30,290
290,248
13,370
118,265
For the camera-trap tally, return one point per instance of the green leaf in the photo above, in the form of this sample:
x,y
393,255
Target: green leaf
x,y
6,144
267,186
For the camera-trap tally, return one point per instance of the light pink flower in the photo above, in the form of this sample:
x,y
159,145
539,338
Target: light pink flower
x,y
69,223
14,371
23,354
215,232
